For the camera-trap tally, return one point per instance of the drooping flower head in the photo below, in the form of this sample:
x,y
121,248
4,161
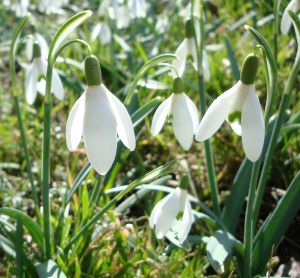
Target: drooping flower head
x,y
241,107
172,216
286,22
184,115
187,49
98,116
35,77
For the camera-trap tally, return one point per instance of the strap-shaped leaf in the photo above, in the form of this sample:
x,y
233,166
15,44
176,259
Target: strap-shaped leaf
x,y
275,226
49,269
33,228
65,30
151,63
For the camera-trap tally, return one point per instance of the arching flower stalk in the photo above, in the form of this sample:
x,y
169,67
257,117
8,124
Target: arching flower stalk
x,y
184,115
37,70
241,107
172,216
286,22
98,116
187,49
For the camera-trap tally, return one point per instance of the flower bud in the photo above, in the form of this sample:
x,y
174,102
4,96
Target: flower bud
x,y
184,182
189,29
36,50
249,69
92,71
178,86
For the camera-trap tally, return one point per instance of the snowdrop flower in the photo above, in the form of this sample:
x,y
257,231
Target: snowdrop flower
x,y
188,49
37,69
98,116
120,14
138,8
173,215
241,107
184,112
21,8
286,22
103,31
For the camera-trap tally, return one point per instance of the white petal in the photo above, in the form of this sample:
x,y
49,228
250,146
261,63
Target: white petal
x,y
124,124
167,213
74,127
96,31
43,44
105,34
99,130
215,115
30,83
286,20
181,53
182,121
160,115
253,126
186,222
41,86
193,112
57,86
236,127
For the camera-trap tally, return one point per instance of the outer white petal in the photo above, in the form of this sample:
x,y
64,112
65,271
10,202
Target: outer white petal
x,y
253,126
124,124
215,115
167,213
99,130
193,112
286,20
186,222
181,52
31,83
105,34
43,44
156,212
74,127
160,115
236,127
57,86
96,31
182,121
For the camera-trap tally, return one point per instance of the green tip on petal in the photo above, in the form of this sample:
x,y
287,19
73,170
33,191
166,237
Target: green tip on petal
x,y
178,86
36,50
189,29
249,69
92,71
184,182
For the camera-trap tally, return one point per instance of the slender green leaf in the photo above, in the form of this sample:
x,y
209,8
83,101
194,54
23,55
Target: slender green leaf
x,y
231,57
33,228
151,63
49,269
7,246
65,30
275,226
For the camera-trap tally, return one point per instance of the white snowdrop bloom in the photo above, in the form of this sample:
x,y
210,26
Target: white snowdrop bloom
x,y
172,214
188,49
241,107
21,8
119,13
286,22
103,31
42,43
138,8
34,72
98,116
184,115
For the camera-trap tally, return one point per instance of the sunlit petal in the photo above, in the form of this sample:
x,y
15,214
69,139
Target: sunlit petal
x,y
124,124
99,130
215,115
193,112
286,20
30,83
160,115
57,86
181,53
74,127
253,126
182,121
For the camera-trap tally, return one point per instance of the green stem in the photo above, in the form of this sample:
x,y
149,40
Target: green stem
x,y
46,162
249,223
275,26
212,182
